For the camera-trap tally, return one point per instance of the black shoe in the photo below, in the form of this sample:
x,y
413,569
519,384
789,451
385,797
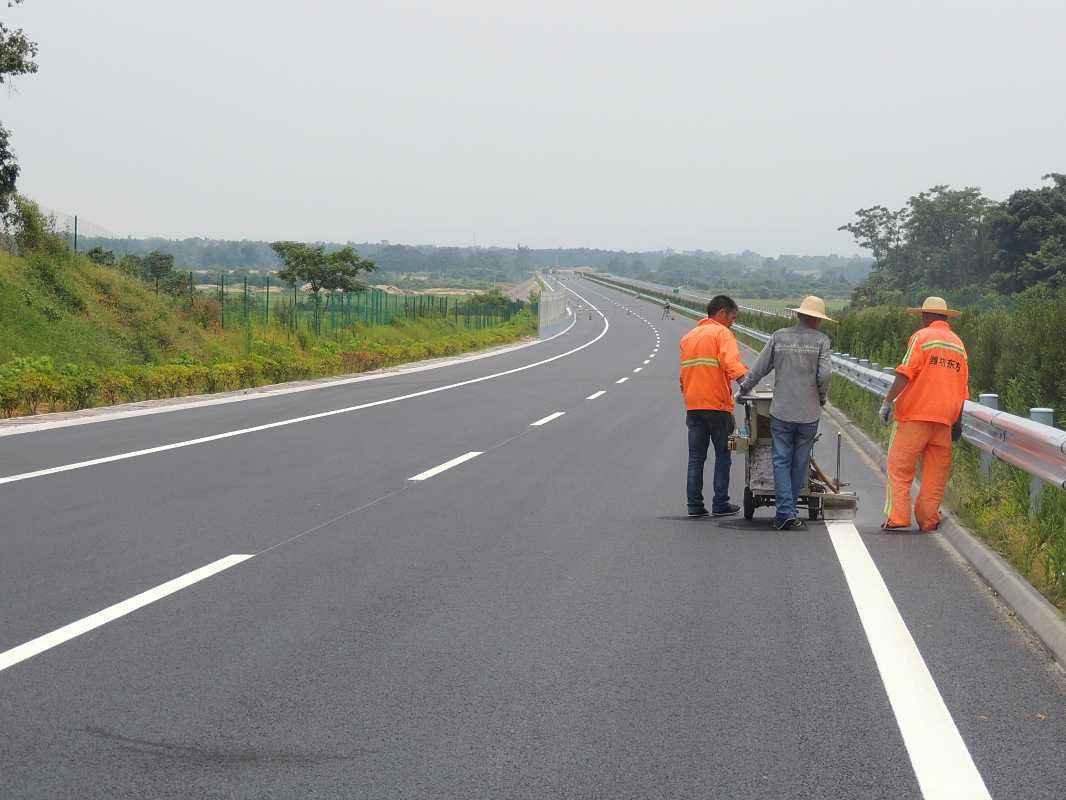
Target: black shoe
x,y
699,512
727,511
791,524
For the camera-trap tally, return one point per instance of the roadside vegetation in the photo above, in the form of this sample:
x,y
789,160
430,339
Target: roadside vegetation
x,y
81,330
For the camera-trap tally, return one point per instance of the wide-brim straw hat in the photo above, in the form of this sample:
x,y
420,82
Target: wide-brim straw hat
x,y
813,307
935,305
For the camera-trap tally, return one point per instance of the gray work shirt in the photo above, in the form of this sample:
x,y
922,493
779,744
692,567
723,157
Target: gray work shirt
x,y
801,360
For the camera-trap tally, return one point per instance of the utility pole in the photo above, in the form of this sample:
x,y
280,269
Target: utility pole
x,y
76,236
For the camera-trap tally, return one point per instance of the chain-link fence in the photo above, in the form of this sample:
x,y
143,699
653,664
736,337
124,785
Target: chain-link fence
x,y
325,313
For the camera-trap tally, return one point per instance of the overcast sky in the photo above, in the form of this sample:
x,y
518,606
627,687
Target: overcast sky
x,y
705,124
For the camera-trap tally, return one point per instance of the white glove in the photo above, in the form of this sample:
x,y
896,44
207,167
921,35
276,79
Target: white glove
x,y
885,413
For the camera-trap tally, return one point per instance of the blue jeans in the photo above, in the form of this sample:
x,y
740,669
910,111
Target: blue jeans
x,y
705,428
793,442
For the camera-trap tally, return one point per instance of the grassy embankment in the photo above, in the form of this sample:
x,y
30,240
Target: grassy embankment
x,y
74,334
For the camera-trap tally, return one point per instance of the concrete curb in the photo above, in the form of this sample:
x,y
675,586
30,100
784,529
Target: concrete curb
x,y
1029,606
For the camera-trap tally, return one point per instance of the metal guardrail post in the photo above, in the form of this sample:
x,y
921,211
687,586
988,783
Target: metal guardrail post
x,y
990,401
1045,416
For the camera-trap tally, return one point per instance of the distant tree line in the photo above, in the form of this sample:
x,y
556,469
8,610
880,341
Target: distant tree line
x,y
959,242
486,264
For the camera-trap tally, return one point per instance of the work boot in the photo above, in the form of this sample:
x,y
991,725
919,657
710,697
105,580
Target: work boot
x,y
728,510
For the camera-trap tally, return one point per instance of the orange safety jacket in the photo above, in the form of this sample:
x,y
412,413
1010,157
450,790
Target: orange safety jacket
x,y
938,374
710,361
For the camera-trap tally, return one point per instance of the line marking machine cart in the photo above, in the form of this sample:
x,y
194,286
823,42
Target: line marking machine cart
x,y
822,497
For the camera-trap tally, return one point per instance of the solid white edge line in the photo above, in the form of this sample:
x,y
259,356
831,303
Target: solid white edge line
x,y
942,764
49,640
547,419
437,470
622,380
594,395
265,392
294,420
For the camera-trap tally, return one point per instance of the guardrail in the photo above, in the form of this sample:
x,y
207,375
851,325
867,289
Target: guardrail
x,y
1032,445
669,293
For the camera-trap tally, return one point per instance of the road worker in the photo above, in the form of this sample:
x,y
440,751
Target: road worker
x,y
710,363
926,401
666,310
801,360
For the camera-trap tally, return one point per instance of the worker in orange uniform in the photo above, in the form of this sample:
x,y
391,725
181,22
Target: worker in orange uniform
x,y
928,393
710,363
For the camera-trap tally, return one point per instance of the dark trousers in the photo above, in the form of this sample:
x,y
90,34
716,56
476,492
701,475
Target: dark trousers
x,y
706,428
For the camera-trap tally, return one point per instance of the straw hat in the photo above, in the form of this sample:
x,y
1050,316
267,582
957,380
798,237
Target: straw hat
x,y
935,305
813,307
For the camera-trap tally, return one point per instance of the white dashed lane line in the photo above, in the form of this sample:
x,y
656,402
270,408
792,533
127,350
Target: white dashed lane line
x,y
29,649
594,395
547,419
638,369
621,380
437,470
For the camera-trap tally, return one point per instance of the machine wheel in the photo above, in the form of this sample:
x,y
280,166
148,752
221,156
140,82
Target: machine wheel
x,y
749,503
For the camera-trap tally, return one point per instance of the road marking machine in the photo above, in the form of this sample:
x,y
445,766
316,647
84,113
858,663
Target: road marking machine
x,y
823,498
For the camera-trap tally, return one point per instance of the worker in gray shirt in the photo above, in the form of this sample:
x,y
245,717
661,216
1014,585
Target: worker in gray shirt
x,y
801,360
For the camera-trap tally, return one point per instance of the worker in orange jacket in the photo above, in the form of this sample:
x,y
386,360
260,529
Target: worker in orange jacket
x,y
926,400
710,363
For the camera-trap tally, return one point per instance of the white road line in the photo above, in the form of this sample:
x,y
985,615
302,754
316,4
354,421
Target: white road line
x,y
9,658
437,470
942,764
594,395
647,360
546,420
261,392
638,369
621,380
294,420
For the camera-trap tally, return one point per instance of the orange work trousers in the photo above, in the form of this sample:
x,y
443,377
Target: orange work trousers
x,y
930,443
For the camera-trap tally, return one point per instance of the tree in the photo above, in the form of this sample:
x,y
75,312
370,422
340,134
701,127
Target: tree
x,y
17,54
311,264
159,266
9,171
941,240
17,50
1030,230
99,255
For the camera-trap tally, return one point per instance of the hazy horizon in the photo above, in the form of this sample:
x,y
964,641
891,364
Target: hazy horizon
x,y
684,126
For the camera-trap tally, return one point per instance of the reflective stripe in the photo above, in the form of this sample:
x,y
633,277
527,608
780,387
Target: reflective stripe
x,y
698,362
945,345
888,478
910,349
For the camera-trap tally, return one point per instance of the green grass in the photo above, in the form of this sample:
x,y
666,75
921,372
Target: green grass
x,y
75,334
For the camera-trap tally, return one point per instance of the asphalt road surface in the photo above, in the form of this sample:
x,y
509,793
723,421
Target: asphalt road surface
x,y
267,605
